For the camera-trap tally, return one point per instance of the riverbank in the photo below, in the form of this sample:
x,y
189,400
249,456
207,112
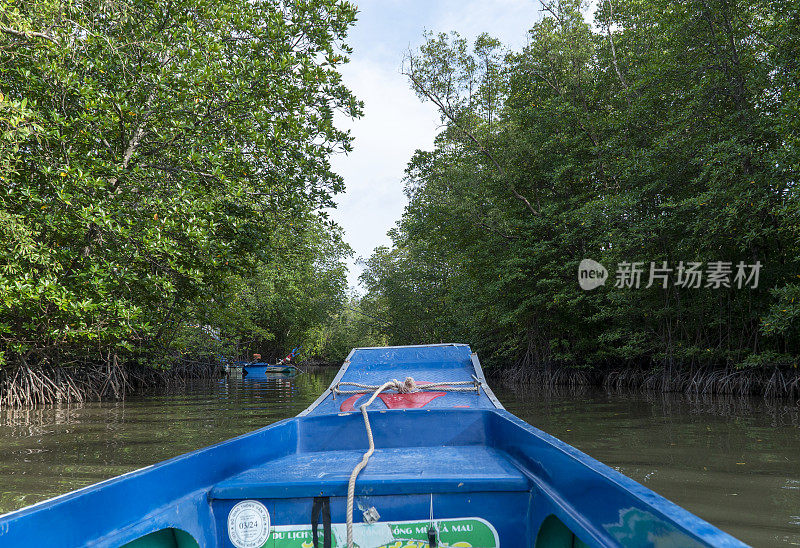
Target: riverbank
x,y
769,383
109,379
26,386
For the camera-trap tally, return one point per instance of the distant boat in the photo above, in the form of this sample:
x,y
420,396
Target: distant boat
x,y
433,461
261,370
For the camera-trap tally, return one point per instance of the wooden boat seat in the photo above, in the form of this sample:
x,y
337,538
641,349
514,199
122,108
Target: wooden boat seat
x,y
421,470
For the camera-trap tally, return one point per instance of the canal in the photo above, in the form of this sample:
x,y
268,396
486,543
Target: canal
x,y
733,461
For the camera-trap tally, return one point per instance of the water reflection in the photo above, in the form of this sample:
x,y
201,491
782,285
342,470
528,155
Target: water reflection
x,y
733,461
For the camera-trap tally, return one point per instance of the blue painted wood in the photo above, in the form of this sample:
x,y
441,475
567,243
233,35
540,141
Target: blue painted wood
x,y
463,452
263,370
397,470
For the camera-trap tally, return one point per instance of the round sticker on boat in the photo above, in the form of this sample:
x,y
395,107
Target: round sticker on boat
x,y
248,524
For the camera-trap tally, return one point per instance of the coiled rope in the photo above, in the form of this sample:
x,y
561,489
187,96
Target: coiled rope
x,y
405,387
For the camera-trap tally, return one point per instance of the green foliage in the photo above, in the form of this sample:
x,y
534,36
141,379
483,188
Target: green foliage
x,y
287,301
351,327
661,132
160,160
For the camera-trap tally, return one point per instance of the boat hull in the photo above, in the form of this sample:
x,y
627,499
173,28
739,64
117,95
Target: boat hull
x,y
266,371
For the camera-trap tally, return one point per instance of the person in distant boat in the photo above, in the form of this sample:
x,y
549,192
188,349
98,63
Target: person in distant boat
x,y
256,357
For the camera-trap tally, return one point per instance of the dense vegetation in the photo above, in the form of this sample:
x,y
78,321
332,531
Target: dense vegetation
x,y
165,173
657,131
165,170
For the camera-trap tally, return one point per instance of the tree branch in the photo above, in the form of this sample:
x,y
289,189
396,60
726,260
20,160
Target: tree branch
x,y
29,34
136,137
440,104
614,53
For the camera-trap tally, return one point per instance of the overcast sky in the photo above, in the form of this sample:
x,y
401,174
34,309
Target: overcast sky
x,y
395,122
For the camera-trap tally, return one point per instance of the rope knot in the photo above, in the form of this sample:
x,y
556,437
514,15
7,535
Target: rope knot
x,y
405,387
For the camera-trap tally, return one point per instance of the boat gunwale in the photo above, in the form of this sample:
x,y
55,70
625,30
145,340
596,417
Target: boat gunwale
x,y
668,509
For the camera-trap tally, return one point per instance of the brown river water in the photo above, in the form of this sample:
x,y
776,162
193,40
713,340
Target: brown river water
x,y
734,462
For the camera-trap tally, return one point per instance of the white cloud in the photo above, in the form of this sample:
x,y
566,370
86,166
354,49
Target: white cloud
x,y
395,122
394,125
507,20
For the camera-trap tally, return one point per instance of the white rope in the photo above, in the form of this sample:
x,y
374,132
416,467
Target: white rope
x,y
405,387
351,485
409,386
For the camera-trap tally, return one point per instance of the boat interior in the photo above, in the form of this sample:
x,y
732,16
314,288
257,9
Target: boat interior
x,y
479,466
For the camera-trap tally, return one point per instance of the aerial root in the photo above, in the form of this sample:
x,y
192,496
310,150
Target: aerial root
x,y
771,383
